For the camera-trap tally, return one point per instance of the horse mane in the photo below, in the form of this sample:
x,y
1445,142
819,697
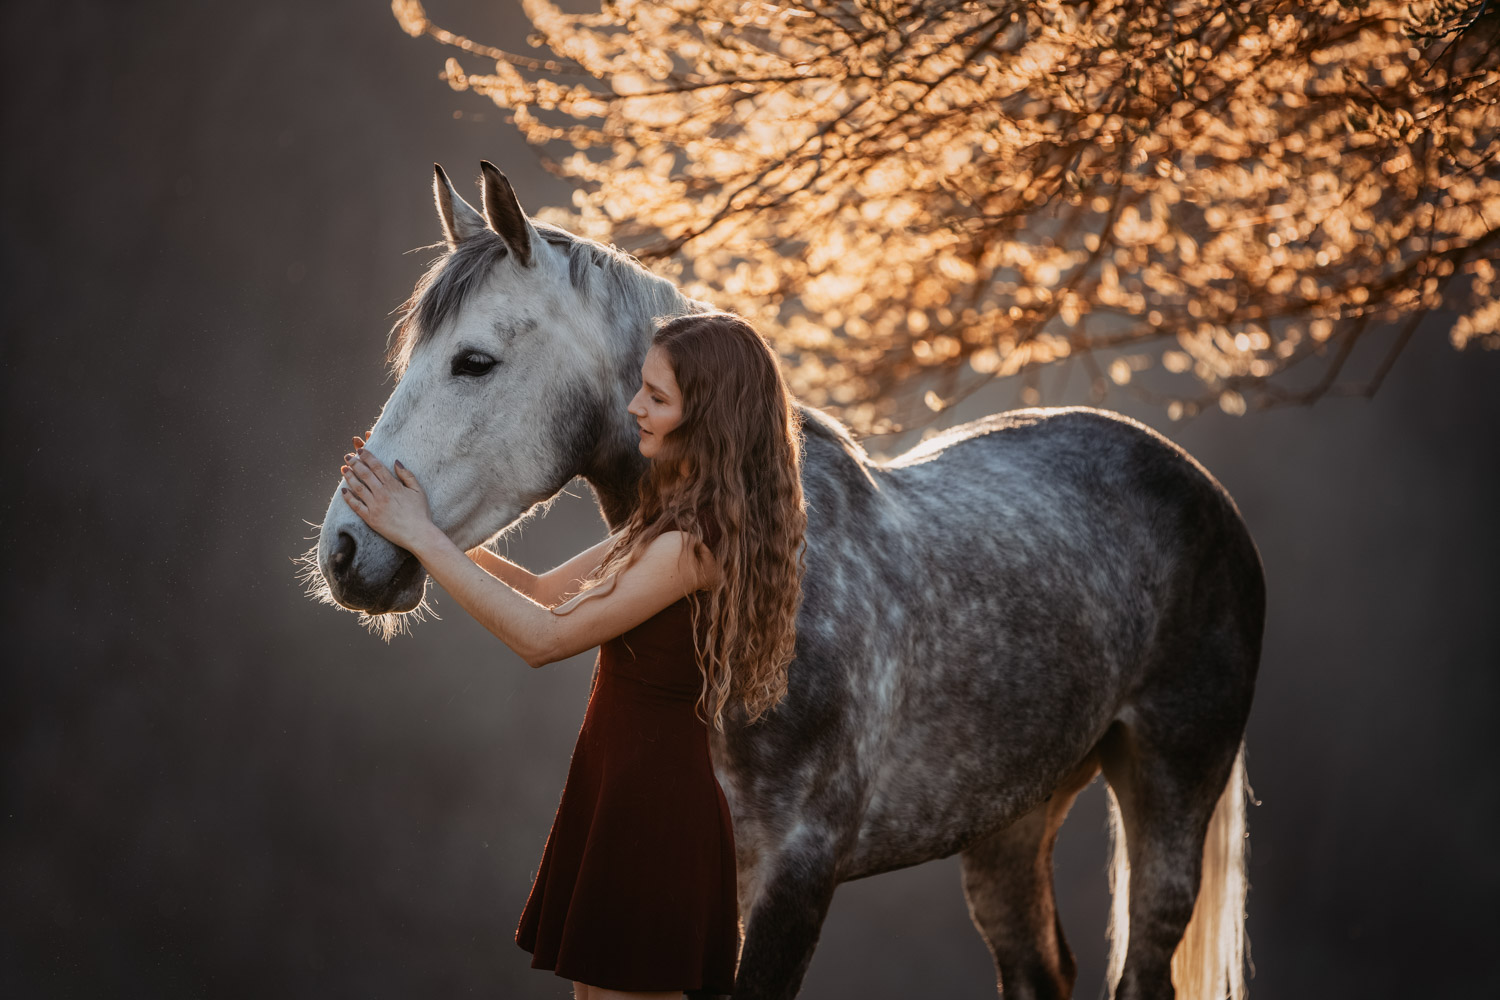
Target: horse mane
x,y
593,268
824,425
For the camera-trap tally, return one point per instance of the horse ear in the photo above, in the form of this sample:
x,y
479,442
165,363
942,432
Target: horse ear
x,y
460,221
502,209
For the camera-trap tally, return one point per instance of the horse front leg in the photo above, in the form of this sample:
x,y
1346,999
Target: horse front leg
x,y
785,919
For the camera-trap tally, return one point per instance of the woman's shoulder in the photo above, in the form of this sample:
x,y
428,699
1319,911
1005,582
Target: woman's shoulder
x,y
707,523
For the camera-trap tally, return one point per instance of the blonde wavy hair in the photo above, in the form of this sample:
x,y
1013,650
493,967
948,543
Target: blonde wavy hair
x,y
737,457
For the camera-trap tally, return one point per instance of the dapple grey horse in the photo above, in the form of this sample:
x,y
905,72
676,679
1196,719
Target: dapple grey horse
x,y
989,620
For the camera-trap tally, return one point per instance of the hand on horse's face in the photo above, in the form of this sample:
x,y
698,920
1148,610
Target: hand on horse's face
x,y
390,501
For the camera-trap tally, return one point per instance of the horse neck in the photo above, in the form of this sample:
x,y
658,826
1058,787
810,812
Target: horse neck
x,y
614,478
615,468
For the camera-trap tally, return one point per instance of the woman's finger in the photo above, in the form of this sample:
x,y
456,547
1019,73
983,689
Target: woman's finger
x,y
381,473
358,485
355,503
362,469
406,476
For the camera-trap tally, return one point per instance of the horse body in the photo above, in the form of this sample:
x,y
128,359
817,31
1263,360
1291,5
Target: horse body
x,y
960,644
988,621
980,613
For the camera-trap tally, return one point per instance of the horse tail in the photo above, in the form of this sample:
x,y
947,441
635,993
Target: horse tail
x,y
1119,892
1209,963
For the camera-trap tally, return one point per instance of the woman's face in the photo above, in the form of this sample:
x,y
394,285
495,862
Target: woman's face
x,y
657,406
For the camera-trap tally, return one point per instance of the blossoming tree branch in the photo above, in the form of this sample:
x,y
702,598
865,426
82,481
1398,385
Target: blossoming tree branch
x,y
1201,203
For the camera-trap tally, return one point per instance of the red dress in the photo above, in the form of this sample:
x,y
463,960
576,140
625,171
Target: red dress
x,y
636,888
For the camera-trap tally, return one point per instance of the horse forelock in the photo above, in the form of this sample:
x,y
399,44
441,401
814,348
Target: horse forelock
x,y
444,287
600,274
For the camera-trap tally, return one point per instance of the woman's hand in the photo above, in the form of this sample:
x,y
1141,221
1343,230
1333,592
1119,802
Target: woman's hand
x,y
390,501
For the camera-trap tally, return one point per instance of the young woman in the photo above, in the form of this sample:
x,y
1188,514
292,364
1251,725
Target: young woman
x,y
693,603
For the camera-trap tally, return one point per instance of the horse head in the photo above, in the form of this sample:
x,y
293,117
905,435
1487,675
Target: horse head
x,y
515,358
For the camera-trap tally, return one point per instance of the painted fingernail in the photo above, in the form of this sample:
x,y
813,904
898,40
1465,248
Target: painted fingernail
x,y
343,489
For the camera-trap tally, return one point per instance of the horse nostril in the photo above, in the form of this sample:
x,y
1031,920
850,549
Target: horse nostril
x,y
343,553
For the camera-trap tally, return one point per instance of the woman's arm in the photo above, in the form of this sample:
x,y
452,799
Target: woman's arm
x,y
393,504
557,585
516,577
664,573
549,588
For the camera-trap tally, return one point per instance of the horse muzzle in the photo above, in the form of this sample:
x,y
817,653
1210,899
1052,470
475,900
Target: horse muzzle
x,y
364,572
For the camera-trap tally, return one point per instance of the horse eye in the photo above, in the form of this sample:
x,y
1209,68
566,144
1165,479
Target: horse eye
x,y
472,364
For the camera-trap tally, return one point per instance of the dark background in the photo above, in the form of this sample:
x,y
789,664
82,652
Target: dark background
x,y
214,787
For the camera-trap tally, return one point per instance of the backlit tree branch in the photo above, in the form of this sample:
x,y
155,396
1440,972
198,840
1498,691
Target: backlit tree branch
x,y
1204,203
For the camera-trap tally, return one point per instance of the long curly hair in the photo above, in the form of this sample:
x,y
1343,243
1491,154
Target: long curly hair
x,y
735,457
